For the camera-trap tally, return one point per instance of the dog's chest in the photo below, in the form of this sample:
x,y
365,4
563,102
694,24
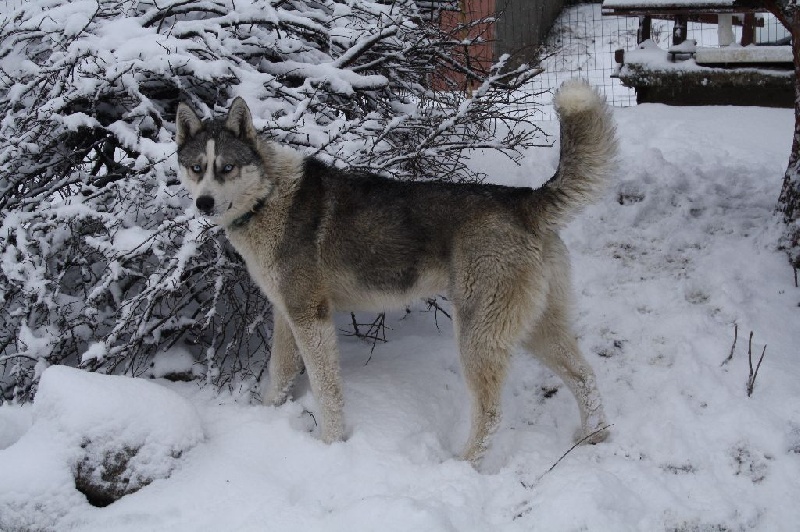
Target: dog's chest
x,y
259,251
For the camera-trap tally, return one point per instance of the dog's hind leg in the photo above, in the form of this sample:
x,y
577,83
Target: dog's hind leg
x,y
285,362
485,363
489,303
552,341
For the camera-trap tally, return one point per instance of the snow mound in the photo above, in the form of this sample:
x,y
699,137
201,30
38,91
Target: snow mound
x,y
14,422
105,436
90,406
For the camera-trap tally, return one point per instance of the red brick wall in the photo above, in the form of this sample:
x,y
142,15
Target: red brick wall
x,y
477,56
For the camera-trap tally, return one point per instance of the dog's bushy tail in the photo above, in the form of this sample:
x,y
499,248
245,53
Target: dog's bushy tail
x,y
588,152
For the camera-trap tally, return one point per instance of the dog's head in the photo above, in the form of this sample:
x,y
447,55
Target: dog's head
x,y
220,163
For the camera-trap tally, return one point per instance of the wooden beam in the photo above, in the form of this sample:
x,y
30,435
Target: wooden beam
x,y
679,30
670,11
645,29
749,29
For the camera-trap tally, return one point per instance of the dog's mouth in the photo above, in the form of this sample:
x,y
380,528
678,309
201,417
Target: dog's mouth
x,y
214,213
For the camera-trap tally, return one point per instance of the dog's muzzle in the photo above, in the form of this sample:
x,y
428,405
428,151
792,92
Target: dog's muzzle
x,y
205,204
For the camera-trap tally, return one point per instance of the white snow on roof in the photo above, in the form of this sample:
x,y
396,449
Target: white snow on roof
x,y
652,57
667,4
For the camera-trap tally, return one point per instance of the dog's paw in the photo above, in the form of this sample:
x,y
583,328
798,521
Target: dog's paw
x,y
332,429
592,436
271,398
473,456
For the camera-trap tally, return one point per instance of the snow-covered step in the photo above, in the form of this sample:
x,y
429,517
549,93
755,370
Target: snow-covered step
x,y
744,54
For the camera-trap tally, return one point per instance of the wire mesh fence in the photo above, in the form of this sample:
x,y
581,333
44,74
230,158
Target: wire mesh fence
x,y
581,44
8,5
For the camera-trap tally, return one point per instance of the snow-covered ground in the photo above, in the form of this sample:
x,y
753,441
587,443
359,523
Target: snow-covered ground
x,y
680,250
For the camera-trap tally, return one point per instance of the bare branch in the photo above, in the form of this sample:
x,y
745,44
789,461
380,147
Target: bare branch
x,y
751,380
735,336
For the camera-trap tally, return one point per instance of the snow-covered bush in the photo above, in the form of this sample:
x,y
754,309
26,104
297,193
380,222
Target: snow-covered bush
x,y
100,265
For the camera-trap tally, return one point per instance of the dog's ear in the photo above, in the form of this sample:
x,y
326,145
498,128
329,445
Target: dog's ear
x,y
187,124
240,122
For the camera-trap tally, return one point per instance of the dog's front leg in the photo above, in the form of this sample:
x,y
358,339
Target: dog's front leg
x,y
315,335
285,363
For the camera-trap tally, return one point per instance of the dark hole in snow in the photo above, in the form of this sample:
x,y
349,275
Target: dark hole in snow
x,y
96,498
178,376
107,481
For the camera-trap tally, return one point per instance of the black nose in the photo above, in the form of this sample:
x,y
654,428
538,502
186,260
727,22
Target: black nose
x,y
205,204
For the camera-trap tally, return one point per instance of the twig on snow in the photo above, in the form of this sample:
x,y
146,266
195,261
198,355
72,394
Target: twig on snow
x,y
751,381
735,337
434,305
587,437
376,331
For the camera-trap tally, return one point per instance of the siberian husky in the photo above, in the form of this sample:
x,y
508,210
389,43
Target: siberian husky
x,y
317,240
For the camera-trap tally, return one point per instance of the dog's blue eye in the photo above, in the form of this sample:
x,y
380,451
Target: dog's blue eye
x,y
197,168
227,168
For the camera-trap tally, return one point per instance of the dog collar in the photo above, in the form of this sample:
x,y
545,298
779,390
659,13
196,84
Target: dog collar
x,y
242,220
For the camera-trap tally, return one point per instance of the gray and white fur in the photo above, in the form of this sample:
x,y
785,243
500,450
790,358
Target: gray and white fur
x,y
318,240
